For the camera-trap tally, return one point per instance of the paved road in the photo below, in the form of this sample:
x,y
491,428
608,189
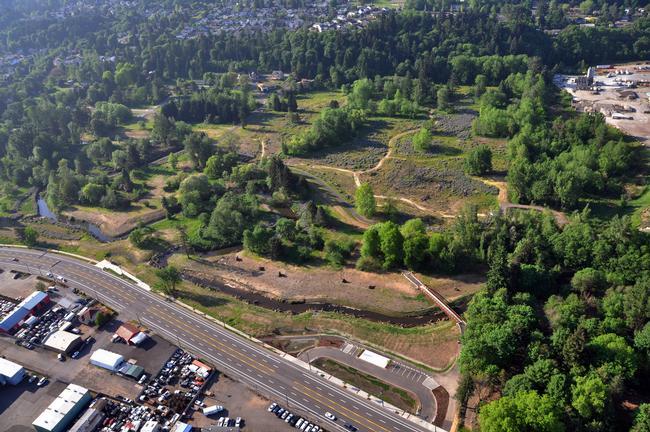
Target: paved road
x,y
264,371
410,380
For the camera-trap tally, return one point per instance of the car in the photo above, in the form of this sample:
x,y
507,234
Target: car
x,y
142,379
61,279
14,259
75,355
41,382
304,426
238,422
75,331
90,340
61,357
288,419
279,412
49,274
330,416
32,378
349,427
285,415
271,407
299,422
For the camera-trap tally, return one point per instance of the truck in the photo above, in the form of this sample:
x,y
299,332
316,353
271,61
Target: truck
x,y
213,409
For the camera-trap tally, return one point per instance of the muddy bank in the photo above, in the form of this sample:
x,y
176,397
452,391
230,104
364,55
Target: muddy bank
x,y
296,308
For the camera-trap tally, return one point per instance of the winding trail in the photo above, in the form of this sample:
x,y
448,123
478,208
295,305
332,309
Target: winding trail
x,y
356,175
504,205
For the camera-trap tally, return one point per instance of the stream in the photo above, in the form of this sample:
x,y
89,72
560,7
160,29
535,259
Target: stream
x,y
91,228
297,308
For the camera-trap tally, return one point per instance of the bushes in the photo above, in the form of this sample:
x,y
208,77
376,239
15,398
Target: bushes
x,y
333,127
479,160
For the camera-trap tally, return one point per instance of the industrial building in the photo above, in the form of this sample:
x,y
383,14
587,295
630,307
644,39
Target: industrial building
x,y
91,419
63,342
10,372
106,359
23,310
60,413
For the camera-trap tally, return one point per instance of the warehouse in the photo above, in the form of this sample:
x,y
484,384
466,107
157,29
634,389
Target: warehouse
x,y
63,342
34,302
63,409
106,359
91,419
10,372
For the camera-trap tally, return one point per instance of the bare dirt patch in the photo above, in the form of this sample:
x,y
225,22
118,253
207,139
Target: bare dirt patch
x,y
392,294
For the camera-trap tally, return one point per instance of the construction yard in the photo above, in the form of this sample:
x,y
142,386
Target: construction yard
x,y
620,92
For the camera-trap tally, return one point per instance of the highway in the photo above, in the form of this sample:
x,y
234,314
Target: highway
x,y
264,371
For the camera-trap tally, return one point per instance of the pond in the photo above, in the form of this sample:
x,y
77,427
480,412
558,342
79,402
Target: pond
x,y
92,229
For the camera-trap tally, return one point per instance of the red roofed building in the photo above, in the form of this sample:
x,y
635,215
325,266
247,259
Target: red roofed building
x,y
127,331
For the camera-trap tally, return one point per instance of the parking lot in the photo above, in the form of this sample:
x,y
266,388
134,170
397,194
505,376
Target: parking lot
x,y
21,404
239,401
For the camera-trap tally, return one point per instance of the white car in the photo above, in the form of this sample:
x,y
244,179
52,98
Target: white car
x,y
75,354
271,407
41,382
330,416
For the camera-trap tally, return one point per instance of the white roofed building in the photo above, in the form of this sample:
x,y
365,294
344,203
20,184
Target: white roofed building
x,y
374,358
63,342
60,413
106,359
10,372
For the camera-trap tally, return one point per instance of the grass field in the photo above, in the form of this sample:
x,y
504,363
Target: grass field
x,y
388,393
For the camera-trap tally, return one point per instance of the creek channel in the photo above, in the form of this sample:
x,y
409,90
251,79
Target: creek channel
x,y
91,228
293,308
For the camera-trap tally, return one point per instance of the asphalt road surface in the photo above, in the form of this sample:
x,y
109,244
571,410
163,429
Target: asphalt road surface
x,y
264,371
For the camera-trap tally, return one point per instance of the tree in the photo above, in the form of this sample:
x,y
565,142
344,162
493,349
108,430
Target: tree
x,y
219,164
392,244
30,236
168,278
415,243
480,83
422,140
522,412
589,394
101,318
365,200
371,246
588,281
442,97
479,160
199,148
642,419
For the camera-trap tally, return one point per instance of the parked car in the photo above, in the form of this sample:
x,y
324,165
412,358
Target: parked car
x,y
75,355
41,382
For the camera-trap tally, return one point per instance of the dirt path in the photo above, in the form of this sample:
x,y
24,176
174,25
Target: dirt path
x,y
560,217
389,155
